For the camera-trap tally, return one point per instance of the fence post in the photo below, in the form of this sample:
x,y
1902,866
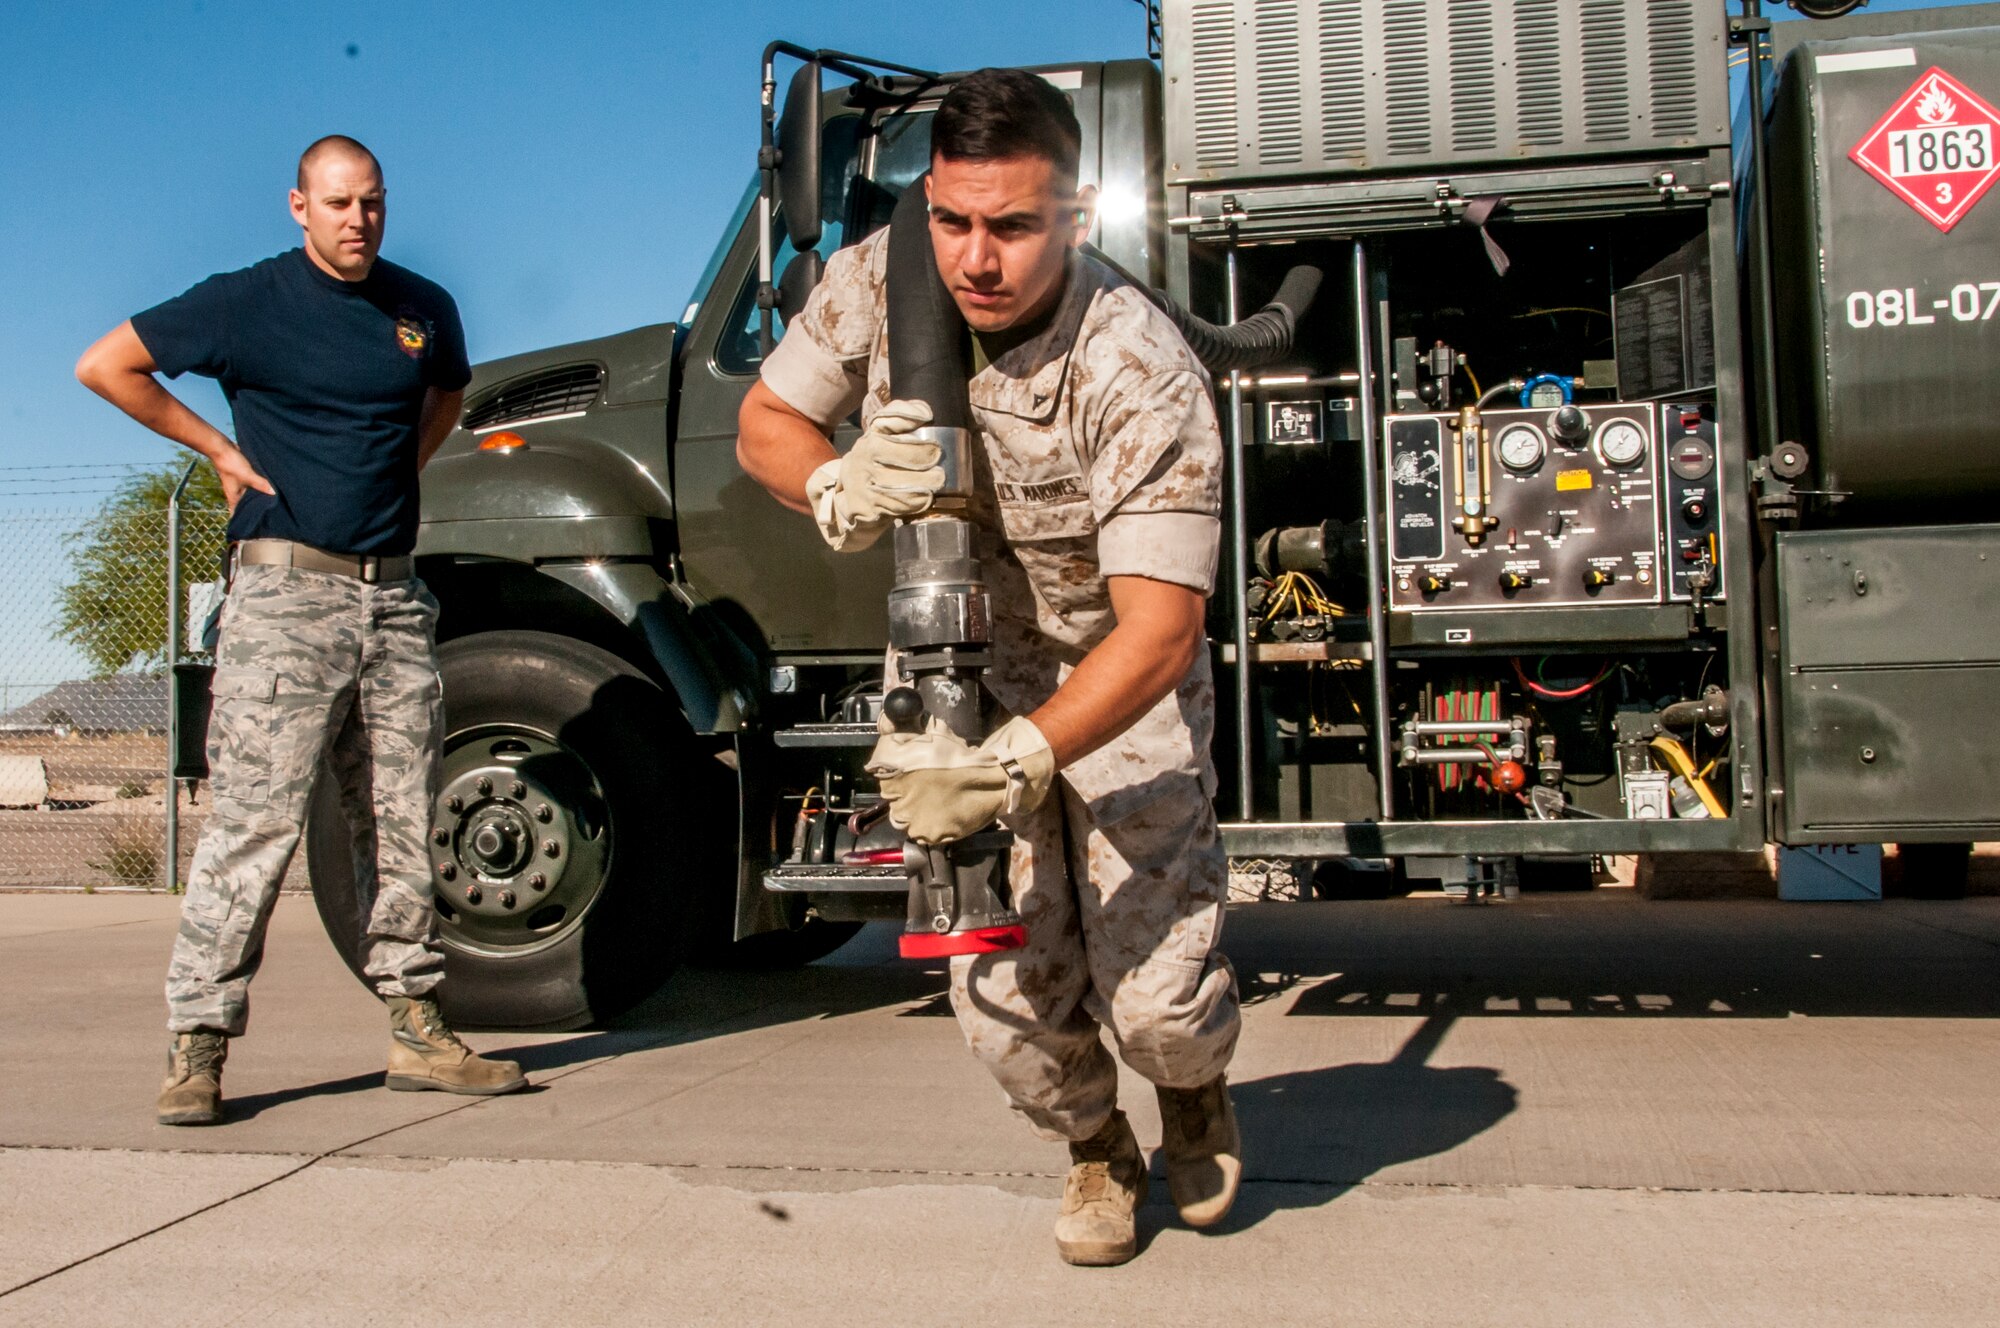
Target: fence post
x,y
174,611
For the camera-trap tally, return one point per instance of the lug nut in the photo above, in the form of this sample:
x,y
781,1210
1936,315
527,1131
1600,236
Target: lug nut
x,y
440,836
544,813
484,785
447,871
454,804
506,899
517,790
472,895
552,848
538,882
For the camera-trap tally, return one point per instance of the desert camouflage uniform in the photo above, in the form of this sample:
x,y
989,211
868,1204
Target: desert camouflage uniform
x,y
312,665
1100,457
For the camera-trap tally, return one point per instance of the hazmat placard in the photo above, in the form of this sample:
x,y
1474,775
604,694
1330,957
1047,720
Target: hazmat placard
x,y
1934,148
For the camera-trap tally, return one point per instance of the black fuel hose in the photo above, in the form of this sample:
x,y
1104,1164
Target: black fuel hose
x,y
928,358
1257,340
1248,343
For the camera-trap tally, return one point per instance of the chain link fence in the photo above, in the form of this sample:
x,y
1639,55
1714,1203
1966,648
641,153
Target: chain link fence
x,y
84,687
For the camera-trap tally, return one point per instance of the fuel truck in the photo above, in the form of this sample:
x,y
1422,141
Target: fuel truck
x,y
1628,486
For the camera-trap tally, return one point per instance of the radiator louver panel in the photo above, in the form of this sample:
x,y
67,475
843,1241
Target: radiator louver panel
x,y
1212,31
1670,45
1475,101
1538,72
551,392
1607,95
1260,89
1281,109
1343,81
1406,82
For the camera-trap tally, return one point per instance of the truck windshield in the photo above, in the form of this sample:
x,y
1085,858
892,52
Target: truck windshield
x,y
902,149
721,251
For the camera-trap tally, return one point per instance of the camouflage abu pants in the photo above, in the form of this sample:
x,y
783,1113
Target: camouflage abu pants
x,y
313,665
1123,919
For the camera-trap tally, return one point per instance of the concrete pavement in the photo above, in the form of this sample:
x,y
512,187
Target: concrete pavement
x,y
1574,1109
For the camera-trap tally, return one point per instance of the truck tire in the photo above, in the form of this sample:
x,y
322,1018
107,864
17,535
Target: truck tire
x,y
576,814
1934,871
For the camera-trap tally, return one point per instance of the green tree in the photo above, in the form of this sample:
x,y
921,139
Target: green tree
x,y
114,606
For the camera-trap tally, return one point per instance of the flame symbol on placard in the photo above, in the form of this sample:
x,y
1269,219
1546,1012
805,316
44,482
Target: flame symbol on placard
x,y
1935,106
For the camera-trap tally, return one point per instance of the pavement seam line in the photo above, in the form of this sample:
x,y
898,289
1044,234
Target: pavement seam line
x,y
804,1169
306,1165
154,1231
70,931
1942,930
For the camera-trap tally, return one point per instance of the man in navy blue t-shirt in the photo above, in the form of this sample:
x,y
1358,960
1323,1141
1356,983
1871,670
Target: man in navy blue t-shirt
x,y
344,373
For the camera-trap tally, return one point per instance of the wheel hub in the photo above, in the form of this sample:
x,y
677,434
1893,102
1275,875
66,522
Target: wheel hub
x,y
518,838
499,842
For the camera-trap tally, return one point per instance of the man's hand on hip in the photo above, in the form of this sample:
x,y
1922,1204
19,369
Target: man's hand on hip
x,y
940,788
237,475
886,475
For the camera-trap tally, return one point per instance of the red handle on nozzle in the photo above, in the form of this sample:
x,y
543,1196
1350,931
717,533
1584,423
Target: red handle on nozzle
x,y
980,940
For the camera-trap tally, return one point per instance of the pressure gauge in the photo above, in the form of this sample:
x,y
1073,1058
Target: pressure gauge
x,y
1621,443
1520,447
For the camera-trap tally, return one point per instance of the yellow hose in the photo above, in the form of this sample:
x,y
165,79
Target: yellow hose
x,y
1675,757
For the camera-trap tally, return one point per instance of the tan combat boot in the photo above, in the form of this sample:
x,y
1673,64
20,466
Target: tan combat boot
x,y
425,1053
192,1093
1107,1182
1204,1150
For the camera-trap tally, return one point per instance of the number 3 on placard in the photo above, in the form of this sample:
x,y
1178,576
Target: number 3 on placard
x,y
1944,191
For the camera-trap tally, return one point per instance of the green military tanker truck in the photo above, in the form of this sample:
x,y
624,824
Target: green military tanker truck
x,y
1626,490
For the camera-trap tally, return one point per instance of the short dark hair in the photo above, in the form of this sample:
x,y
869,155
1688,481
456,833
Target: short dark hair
x,y
332,143
996,113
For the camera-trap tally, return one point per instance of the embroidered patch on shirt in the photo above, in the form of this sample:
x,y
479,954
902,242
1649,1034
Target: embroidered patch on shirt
x,y
1070,486
413,335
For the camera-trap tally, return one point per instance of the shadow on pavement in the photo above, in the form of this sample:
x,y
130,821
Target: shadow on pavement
x,y
711,1003
1762,985
1312,1135
243,1107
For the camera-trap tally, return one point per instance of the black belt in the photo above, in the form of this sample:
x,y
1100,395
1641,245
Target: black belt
x,y
290,553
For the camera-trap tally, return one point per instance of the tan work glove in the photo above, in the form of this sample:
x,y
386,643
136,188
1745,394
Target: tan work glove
x,y
885,475
940,788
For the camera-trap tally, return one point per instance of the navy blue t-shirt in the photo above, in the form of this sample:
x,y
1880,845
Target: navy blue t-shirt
x,y
326,380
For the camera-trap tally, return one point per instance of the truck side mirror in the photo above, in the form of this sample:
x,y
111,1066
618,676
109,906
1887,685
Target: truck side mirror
x,y
798,159
801,275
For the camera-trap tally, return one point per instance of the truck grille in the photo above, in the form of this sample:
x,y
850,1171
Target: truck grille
x,y
561,391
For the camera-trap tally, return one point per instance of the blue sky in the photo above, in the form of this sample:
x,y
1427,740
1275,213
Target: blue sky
x,y
564,169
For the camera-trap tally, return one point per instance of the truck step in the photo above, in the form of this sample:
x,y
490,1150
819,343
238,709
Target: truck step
x,y
816,877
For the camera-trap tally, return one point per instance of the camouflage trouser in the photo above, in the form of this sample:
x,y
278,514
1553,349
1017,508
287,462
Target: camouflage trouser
x,y
312,665
1123,920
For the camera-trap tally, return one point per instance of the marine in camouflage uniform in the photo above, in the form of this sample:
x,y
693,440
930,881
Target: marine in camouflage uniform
x,y
1099,456
312,665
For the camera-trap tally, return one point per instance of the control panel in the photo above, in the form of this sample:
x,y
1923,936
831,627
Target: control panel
x,y
1689,476
1534,508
